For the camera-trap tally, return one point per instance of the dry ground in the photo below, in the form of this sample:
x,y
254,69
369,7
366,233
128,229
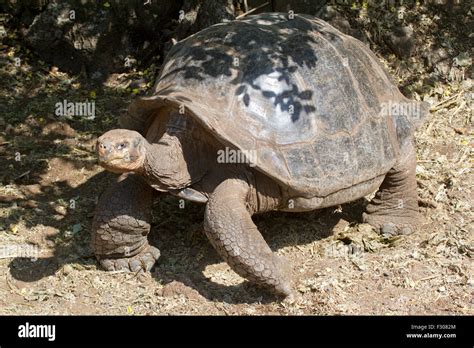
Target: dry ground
x,y
341,266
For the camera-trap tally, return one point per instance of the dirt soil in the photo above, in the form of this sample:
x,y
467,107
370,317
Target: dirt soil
x,y
50,183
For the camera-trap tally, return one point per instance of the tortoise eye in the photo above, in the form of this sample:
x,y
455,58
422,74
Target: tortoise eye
x,y
121,146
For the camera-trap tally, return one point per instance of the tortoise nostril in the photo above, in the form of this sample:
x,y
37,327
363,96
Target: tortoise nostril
x,y
102,148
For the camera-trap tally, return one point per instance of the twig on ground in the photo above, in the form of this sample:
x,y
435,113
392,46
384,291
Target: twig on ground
x,y
22,175
252,10
438,106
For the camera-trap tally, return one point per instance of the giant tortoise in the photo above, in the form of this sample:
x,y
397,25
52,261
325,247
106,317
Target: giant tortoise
x,y
272,112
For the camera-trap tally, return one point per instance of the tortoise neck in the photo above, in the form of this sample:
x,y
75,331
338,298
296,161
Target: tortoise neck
x,y
164,165
167,165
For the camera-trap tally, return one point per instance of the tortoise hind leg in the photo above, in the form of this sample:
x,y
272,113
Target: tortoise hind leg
x,y
121,224
394,209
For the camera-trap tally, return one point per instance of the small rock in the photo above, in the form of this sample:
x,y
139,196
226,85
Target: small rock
x,y
31,190
466,84
59,128
67,269
31,204
406,230
401,41
342,24
365,228
328,13
178,288
8,198
433,57
443,68
463,59
60,210
442,289
342,226
388,229
415,254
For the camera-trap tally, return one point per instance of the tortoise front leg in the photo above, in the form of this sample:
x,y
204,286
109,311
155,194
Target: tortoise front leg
x,y
121,224
228,225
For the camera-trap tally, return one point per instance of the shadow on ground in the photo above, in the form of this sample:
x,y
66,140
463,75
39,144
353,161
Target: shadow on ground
x,y
178,234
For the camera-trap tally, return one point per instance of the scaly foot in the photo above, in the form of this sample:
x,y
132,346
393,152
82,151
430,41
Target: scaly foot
x,y
142,261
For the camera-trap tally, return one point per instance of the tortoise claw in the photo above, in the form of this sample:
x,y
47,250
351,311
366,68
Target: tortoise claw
x,y
390,229
389,226
142,261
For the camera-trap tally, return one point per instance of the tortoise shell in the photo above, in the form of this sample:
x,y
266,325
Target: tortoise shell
x,y
307,99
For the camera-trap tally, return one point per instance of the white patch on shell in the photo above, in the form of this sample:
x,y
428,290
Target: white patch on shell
x,y
265,22
270,83
265,107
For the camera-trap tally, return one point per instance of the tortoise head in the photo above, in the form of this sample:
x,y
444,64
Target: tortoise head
x,y
121,150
